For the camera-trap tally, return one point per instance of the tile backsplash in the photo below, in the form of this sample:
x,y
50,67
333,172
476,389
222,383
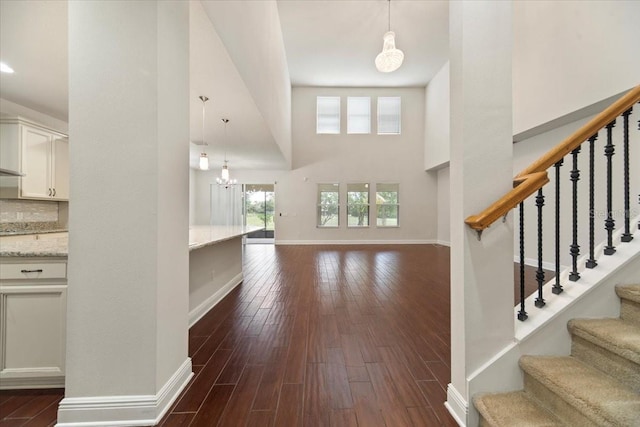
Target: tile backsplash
x,y
30,215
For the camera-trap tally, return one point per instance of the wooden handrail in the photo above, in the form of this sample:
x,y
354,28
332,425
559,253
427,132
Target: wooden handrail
x,y
523,188
534,177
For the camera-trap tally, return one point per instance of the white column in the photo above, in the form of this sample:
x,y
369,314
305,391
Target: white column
x,y
128,218
481,172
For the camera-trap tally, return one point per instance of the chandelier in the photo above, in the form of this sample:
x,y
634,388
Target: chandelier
x,y
390,59
224,179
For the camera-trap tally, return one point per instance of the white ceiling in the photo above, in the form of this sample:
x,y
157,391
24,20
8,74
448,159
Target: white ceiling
x,y
335,42
327,43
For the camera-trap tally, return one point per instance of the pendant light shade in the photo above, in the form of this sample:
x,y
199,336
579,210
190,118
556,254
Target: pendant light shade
x,y
204,159
390,59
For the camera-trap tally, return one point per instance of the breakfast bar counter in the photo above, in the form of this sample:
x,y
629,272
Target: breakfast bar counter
x,y
215,265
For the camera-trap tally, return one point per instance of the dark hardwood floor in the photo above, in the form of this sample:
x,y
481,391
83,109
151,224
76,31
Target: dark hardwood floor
x,y
315,335
325,335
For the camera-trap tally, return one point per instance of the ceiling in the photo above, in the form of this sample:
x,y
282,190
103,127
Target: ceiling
x,y
334,43
327,43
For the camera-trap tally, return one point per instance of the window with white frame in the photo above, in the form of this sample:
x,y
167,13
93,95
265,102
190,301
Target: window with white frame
x,y
357,205
389,115
328,205
358,115
387,206
328,115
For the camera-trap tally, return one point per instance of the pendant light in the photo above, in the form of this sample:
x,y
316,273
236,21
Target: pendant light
x,y
204,159
390,59
224,179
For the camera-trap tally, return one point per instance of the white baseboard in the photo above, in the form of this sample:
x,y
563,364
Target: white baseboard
x,y
356,242
113,411
202,309
456,405
7,383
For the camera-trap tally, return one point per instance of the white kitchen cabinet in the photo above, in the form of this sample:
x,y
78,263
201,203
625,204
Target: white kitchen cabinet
x,y
33,304
41,154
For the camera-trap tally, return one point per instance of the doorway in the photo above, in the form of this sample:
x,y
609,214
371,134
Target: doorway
x,y
259,210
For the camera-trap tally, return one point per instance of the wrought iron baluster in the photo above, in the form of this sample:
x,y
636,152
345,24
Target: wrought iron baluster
x,y
522,314
591,262
626,236
540,272
575,248
609,223
557,287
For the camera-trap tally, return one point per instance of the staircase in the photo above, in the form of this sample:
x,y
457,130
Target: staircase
x,y
597,385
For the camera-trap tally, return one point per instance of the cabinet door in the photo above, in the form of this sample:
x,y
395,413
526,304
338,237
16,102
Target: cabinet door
x,y
36,164
32,329
60,164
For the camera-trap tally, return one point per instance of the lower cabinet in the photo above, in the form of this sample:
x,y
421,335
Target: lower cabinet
x,y
33,307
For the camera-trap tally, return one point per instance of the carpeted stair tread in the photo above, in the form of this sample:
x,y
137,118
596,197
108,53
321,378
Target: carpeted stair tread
x,y
513,409
615,335
629,292
594,394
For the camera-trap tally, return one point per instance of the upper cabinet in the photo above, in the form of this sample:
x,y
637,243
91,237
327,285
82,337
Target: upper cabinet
x,y
40,154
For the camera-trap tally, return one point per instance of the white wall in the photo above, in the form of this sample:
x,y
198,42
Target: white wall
x,y
192,196
444,221
567,55
357,158
436,128
345,159
252,35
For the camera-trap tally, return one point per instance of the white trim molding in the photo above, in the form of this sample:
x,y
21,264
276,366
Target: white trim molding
x,y
113,411
457,406
202,309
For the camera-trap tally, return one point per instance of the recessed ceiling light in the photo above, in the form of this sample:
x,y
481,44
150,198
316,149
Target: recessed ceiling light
x,y
5,68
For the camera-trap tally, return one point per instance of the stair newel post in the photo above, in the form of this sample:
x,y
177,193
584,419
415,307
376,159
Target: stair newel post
x,y
575,248
609,223
540,272
626,236
557,287
522,314
591,262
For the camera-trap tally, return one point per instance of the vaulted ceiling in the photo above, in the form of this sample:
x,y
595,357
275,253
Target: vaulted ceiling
x,y
327,43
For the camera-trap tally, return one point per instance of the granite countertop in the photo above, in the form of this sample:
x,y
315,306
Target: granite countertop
x,y
206,235
199,237
28,232
53,247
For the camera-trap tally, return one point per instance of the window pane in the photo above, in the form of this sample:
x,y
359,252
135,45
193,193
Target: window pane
x,y
389,109
387,207
357,205
328,114
359,114
328,205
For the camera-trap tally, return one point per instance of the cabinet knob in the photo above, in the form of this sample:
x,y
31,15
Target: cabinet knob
x,y
54,192
49,192
31,271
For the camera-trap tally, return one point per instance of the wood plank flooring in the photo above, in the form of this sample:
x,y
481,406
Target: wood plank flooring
x,y
314,336
325,336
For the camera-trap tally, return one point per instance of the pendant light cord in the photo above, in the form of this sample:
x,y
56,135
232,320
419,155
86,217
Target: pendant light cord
x,y
225,138
204,99
389,24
